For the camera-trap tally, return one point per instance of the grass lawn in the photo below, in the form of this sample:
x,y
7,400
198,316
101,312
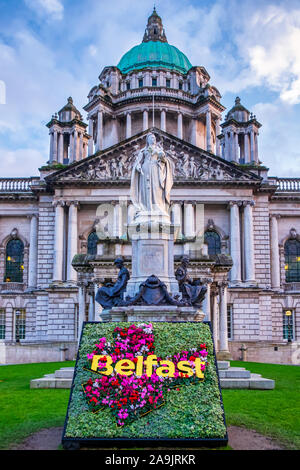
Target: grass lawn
x,y
272,412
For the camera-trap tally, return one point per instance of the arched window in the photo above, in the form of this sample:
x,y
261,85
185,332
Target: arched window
x,y
292,260
212,239
92,243
14,261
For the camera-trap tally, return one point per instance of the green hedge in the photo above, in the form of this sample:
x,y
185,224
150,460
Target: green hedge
x,y
192,412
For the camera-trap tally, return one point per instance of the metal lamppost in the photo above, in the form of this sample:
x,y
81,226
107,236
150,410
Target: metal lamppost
x,y
288,314
18,314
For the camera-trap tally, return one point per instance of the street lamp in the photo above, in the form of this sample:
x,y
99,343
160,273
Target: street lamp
x,y
18,314
288,314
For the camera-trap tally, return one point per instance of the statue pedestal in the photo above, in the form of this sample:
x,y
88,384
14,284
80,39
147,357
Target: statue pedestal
x,y
152,253
148,313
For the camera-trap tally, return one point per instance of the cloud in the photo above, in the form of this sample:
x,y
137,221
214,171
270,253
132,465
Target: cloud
x,y
52,9
270,44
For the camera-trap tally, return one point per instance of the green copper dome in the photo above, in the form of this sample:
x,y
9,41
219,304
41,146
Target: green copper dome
x,y
154,54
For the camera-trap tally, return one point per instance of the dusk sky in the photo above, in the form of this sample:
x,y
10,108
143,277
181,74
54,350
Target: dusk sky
x,y
53,49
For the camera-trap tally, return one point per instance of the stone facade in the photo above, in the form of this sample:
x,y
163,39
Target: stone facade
x,y
220,188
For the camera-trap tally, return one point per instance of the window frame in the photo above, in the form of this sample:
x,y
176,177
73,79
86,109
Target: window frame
x,y
288,321
2,323
217,245
14,273
292,274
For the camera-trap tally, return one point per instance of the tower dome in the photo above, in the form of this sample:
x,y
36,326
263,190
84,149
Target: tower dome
x,y
154,51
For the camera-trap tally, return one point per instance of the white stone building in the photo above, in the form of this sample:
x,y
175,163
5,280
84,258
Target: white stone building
x,y
221,187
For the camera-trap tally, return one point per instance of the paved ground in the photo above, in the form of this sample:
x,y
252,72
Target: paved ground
x,y
239,439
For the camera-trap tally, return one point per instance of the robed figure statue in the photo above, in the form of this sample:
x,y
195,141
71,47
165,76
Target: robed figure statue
x,y
152,179
112,294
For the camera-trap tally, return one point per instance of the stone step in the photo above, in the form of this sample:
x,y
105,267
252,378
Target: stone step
x,y
254,382
64,373
222,365
234,373
238,378
50,381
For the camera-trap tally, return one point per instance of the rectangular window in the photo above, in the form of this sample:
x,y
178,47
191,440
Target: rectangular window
x,y
288,325
229,321
141,82
2,323
180,86
128,85
20,323
154,81
168,83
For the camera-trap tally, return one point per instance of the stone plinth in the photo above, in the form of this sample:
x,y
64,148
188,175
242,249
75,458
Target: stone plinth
x,y
149,313
152,253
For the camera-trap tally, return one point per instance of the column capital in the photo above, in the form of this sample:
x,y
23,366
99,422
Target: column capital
x,y
234,203
275,216
58,203
31,216
73,203
249,203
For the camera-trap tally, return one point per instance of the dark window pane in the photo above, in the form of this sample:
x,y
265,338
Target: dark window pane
x,y
140,83
168,83
14,261
212,239
92,243
154,81
288,325
292,260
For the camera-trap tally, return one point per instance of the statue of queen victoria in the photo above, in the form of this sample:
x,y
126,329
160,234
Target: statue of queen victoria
x,y
152,179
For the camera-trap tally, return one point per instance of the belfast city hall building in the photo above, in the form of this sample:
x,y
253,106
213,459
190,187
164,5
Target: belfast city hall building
x,y
61,231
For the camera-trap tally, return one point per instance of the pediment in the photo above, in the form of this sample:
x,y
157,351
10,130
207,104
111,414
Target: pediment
x,y
191,164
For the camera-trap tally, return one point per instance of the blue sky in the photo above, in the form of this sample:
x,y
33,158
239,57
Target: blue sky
x,y
53,49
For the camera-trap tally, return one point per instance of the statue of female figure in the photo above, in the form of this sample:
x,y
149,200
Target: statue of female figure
x,y
152,179
111,295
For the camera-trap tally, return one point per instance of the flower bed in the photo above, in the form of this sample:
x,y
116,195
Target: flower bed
x,y
167,389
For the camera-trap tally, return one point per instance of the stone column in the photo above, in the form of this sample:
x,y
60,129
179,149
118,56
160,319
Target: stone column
x,y
55,146
75,145
252,146
256,147
58,241
117,228
194,131
179,126
235,242
249,242
33,252
71,148
215,322
236,148
227,146
163,120
145,120
176,209
275,259
51,147
246,148
60,148
81,307
206,303
72,240
91,140
218,132
189,220
92,303
80,153
99,145
208,131
128,125
223,331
